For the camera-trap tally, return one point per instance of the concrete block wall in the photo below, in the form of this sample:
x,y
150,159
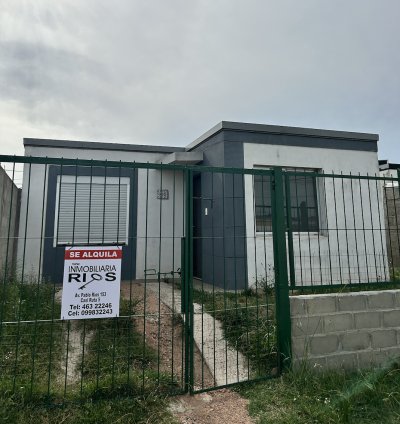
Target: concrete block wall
x,y
345,330
9,219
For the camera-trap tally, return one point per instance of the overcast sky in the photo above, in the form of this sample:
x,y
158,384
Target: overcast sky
x,y
165,71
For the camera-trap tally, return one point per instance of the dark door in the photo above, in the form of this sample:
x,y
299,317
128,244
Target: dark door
x,y
197,218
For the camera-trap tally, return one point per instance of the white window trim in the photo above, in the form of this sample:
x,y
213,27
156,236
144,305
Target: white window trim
x,y
87,180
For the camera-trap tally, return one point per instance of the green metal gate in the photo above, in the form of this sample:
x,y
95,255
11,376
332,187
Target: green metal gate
x,y
238,327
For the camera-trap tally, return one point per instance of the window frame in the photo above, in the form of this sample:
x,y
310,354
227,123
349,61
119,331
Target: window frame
x,y
98,180
316,193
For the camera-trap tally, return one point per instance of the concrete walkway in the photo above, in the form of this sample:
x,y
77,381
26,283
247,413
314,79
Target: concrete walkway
x,y
225,363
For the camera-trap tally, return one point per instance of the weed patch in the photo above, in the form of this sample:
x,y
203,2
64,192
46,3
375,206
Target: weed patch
x,y
332,397
117,356
55,361
248,322
119,409
30,340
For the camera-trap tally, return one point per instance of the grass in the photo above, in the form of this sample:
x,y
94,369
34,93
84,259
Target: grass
x,y
117,377
395,274
117,355
118,409
304,396
30,342
121,381
248,322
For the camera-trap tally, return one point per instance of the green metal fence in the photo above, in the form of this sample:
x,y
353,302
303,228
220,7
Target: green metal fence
x,y
209,257
356,243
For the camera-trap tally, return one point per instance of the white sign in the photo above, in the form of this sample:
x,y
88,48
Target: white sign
x,y
91,285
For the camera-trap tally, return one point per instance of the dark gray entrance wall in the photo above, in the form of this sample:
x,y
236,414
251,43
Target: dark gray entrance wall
x,y
234,218
221,248
197,226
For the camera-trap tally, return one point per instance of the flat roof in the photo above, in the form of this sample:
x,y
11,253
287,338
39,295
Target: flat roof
x,y
221,126
96,145
277,129
385,164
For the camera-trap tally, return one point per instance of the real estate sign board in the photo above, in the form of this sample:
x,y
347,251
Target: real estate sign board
x,y
91,284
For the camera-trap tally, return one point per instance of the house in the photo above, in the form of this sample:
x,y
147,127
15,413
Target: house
x,y
143,209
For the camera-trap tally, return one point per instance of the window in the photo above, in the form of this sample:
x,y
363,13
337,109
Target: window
x,y
303,202
91,211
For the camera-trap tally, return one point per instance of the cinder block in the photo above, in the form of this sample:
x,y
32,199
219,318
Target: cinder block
x,y
397,298
321,305
381,300
366,359
338,322
322,345
342,360
391,352
383,338
368,319
297,363
314,364
306,326
391,318
352,302
297,306
382,356
318,363
300,347
356,341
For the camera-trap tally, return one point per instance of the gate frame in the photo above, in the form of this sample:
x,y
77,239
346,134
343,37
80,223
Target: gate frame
x,y
279,228
281,286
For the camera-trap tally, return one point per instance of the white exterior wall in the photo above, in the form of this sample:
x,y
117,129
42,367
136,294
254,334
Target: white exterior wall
x,y
31,224
30,256
328,256
151,254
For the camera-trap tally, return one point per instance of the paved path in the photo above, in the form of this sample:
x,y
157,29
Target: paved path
x,y
225,363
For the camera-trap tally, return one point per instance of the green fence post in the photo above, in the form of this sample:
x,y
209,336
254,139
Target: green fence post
x,y
188,282
190,279
281,270
183,275
395,277
290,232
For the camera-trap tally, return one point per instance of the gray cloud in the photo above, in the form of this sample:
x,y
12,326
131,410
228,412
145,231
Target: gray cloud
x,y
164,72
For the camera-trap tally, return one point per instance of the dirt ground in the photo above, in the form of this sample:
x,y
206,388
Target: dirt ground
x,y
222,406
166,336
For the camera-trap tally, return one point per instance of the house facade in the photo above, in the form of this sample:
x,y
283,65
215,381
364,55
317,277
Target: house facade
x,y
143,210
